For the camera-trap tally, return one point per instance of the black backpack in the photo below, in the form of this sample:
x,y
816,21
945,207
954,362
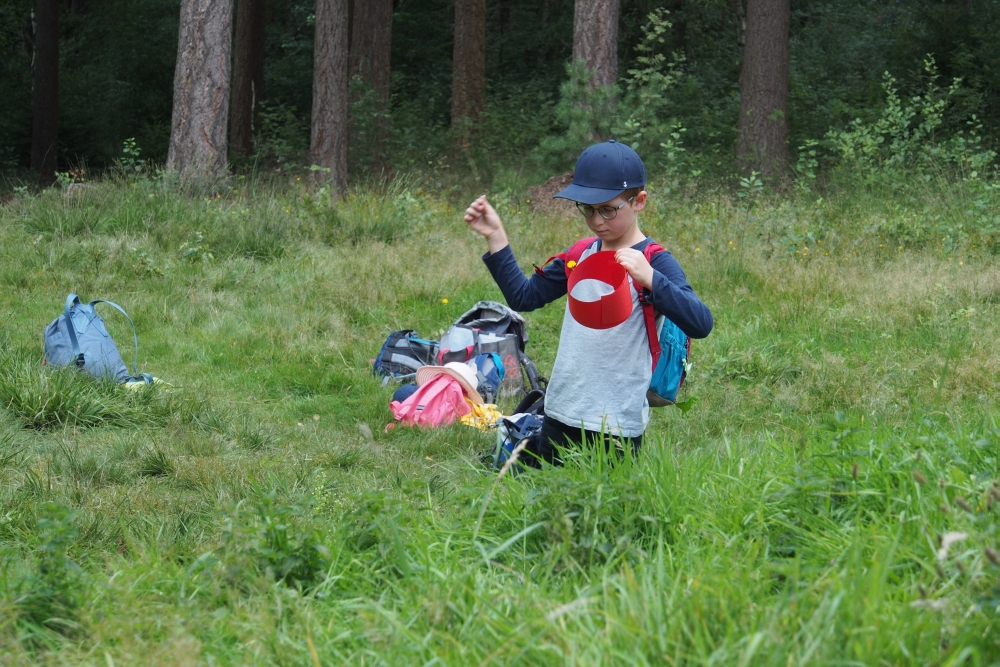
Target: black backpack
x,y
402,354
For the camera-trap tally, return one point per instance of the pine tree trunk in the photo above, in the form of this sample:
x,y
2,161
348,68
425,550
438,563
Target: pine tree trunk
x,y
371,59
468,78
741,22
328,147
595,39
761,144
45,98
198,141
248,73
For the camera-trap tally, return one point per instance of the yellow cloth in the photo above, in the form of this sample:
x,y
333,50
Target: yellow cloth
x,y
139,384
484,416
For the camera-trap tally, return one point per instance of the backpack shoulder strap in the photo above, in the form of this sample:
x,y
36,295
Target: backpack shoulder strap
x,y
73,300
652,248
648,313
135,336
572,255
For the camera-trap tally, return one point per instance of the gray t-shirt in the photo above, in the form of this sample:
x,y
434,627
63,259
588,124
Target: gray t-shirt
x,y
600,376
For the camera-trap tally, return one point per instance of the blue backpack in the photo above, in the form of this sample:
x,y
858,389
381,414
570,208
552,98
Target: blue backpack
x,y
79,338
669,346
489,375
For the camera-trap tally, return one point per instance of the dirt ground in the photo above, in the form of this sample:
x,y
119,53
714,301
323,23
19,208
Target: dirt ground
x,y
541,196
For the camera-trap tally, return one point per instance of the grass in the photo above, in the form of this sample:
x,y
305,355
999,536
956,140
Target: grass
x,y
256,512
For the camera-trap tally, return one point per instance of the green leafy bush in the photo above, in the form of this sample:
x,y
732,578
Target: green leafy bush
x,y
583,115
644,115
906,137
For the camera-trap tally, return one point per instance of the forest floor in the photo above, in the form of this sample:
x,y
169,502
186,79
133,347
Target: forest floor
x,y
831,497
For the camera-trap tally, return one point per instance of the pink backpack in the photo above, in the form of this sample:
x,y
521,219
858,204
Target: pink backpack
x,y
437,403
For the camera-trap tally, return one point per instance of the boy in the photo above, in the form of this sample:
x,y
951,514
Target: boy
x,y
600,376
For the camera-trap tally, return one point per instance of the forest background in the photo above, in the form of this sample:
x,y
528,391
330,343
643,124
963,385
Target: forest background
x,y
678,86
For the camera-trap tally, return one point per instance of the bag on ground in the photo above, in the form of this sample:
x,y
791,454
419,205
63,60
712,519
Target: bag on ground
x,y
491,327
526,422
79,338
437,403
402,354
489,375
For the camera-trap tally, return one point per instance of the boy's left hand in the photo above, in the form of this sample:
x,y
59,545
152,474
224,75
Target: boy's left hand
x,y
636,265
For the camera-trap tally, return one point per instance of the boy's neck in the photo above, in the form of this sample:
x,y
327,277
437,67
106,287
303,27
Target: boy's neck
x,y
627,240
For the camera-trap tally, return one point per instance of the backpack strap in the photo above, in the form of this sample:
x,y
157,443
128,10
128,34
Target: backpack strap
x,y
572,255
648,313
73,300
135,336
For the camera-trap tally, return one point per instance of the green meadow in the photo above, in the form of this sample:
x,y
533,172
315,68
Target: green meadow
x,y
830,498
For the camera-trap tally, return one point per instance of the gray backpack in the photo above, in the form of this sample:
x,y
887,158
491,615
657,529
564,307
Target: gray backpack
x,y
79,338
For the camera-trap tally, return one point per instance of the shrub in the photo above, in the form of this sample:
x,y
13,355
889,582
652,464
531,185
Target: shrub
x,y
905,138
584,115
644,114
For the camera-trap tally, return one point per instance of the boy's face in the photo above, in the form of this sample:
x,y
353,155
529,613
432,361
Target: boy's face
x,y
624,221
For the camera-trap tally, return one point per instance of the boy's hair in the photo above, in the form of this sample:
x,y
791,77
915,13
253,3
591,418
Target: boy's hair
x,y
631,192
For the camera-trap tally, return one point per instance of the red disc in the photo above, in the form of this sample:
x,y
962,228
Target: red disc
x,y
611,309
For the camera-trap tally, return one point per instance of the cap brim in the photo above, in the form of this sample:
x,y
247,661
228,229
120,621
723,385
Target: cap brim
x,y
585,195
427,373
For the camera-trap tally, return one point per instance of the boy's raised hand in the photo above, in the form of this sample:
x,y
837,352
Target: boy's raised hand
x,y
484,219
636,265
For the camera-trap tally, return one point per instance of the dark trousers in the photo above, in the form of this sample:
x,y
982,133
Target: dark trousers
x,y
555,433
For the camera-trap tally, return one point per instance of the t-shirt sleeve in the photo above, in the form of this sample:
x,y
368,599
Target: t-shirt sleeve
x,y
522,293
674,297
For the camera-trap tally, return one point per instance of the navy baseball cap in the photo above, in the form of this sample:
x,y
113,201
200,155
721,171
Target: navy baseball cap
x,y
604,171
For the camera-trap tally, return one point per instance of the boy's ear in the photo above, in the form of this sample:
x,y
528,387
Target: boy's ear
x,y
640,201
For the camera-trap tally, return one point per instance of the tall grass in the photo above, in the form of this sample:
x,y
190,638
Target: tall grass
x,y
44,398
832,498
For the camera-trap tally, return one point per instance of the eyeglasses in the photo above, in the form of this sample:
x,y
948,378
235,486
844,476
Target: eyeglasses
x,y
607,212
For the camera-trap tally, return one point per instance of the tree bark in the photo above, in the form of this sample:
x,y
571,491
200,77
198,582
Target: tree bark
x,y
248,73
370,60
761,143
595,39
328,147
468,78
198,146
45,97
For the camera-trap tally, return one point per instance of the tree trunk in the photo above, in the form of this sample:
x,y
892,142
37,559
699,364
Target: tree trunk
x,y
741,22
370,60
468,74
542,50
761,144
328,147
248,73
595,39
197,153
45,98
